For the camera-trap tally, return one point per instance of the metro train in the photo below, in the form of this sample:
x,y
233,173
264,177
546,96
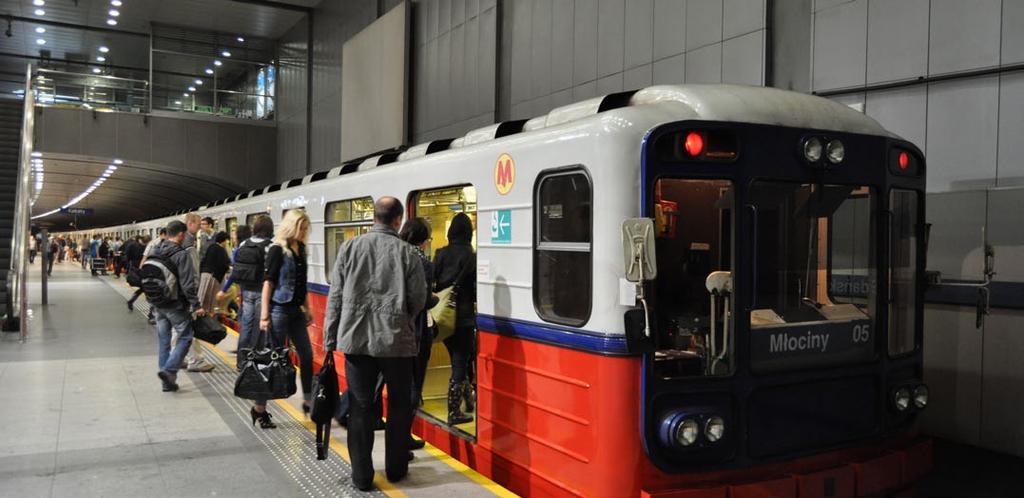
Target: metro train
x,y
683,291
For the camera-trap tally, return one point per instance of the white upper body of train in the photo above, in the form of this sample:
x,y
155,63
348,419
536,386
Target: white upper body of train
x,y
606,144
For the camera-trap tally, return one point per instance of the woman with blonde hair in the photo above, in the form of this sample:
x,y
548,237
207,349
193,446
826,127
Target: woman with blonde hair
x,y
284,311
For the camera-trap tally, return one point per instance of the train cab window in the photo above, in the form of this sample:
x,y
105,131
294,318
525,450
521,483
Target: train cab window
x,y
345,220
693,238
562,256
902,271
438,207
814,281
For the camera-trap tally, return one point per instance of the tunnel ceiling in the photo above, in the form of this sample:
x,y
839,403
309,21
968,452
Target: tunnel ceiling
x,y
135,191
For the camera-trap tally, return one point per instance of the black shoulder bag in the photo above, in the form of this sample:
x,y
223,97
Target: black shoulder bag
x,y
324,404
267,371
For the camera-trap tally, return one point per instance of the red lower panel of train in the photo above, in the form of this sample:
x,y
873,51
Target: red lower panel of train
x,y
561,423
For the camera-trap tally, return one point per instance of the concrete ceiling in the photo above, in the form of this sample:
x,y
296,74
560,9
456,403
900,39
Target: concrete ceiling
x,y
135,191
76,28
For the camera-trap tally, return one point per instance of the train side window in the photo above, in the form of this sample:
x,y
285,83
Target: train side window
x,y
345,220
562,256
251,218
231,224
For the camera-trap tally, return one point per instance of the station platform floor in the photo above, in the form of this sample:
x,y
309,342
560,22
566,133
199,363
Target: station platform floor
x,y
82,414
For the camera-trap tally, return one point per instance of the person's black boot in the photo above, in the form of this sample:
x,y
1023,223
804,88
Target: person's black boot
x,y
469,395
455,415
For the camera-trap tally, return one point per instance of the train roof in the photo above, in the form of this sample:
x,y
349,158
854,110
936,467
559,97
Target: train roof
x,y
728,103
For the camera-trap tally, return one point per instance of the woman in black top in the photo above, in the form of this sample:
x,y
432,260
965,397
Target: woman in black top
x,y
417,232
212,268
284,310
456,265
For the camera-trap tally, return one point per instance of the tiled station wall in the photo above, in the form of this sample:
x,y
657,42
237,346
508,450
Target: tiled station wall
x,y
475,62
971,130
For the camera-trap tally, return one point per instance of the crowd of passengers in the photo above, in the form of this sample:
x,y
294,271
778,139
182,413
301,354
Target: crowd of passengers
x,y
381,286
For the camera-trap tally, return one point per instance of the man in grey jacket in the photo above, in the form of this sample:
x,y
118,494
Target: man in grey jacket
x,y
176,316
377,290
192,241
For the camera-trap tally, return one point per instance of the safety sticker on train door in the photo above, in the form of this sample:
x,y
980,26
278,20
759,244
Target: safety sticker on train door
x,y
501,226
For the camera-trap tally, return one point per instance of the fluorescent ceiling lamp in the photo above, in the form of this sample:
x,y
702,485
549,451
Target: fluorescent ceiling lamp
x,y
40,30
100,58
104,49
37,154
217,63
115,3
40,12
38,3
40,41
97,70
184,95
177,102
118,161
226,53
191,88
114,13
199,82
112,22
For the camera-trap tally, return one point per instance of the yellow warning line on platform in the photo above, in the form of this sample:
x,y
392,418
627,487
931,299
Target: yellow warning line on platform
x,y
382,483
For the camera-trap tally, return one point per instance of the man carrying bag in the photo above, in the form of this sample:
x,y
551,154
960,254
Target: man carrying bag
x,y
377,291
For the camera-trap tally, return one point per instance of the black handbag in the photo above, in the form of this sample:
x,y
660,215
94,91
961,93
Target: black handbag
x,y
209,329
267,372
324,404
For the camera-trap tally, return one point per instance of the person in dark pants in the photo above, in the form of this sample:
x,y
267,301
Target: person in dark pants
x,y
455,265
377,291
51,254
417,233
283,308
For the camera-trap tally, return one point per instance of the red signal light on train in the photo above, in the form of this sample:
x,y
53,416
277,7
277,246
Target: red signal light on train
x,y
694,144
904,160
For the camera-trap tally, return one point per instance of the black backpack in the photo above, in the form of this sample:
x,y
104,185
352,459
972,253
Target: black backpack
x,y
158,277
247,268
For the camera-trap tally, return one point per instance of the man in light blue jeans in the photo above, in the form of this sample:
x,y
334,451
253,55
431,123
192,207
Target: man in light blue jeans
x,y
177,320
173,292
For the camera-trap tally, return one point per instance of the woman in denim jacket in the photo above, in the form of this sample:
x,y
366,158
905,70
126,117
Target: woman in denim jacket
x,y
283,309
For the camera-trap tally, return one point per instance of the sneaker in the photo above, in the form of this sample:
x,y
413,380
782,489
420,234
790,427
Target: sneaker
x,y
168,379
201,367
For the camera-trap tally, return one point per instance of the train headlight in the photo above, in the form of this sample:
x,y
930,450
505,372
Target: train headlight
x,y
835,152
901,399
687,433
714,429
813,149
921,396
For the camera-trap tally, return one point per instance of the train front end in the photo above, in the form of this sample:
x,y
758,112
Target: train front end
x,y
782,339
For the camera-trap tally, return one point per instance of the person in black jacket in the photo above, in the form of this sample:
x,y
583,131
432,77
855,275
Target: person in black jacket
x,y
417,232
212,268
456,265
